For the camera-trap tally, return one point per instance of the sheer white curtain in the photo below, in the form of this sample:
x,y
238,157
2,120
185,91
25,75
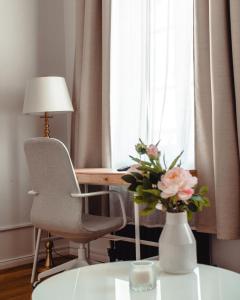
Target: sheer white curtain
x,y
152,78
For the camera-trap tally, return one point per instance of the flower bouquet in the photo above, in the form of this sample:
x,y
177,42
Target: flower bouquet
x,y
172,189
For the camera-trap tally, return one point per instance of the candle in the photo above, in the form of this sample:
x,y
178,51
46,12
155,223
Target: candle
x,y
142,276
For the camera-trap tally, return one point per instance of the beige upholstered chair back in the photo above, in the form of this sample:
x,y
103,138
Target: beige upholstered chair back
x,y
53,179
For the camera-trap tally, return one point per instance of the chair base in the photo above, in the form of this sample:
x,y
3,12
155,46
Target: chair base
x,y
75,263
80,261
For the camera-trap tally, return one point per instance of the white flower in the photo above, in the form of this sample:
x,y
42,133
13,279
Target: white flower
x,y
159,206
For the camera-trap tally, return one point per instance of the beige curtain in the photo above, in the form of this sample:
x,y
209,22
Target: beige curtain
x,y
90,139
217,93
91,118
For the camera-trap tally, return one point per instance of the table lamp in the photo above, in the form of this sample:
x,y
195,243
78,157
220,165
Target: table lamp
x,y
46,95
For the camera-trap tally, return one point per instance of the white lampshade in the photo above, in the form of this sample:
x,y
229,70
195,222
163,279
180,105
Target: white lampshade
x,y
47,94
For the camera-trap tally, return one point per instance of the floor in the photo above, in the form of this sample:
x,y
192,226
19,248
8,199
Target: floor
x,y
15,282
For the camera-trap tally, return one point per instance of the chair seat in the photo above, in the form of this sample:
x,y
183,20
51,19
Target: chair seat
x,y
92,228
101,223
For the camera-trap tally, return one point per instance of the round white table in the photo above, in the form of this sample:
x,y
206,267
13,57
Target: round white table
x,y
109,281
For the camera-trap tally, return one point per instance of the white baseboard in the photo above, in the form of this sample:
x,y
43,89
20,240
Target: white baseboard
x,y
28,259
15,227
97,255
16,261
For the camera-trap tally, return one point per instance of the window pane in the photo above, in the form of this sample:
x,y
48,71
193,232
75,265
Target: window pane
x,y
152,77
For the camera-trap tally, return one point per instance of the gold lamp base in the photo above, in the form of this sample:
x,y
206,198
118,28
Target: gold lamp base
x,y
48,264
46,132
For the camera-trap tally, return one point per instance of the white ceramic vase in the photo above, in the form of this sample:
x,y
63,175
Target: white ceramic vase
x,y
177,245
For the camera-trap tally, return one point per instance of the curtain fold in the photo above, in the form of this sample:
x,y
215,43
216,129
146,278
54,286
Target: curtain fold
x,y
217,70
90,138
91,100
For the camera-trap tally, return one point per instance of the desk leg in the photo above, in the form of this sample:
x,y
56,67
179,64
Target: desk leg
x,y
137,231
86,199
86,210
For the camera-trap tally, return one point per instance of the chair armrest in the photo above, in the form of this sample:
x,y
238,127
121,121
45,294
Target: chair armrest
x,y
83,195
120,198
33,193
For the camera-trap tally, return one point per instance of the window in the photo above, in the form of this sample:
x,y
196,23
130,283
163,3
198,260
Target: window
x,y
152,78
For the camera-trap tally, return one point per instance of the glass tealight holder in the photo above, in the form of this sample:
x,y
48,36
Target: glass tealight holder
x,y
142,276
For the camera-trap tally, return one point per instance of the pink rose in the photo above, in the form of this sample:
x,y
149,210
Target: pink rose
x,y
185,194
177,181
152,152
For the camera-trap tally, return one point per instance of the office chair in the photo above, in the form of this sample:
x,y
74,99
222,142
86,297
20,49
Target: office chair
x,y
58,202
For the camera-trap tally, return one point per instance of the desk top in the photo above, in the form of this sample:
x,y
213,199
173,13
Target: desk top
x,y
109,281
99,171
101,176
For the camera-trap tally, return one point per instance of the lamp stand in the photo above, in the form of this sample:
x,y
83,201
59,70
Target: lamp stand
x,y
48,261
46,125
46,117
48,264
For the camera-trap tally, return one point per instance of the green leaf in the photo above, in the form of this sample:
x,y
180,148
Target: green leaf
x,y
206,202
158,167
140,148
139,190
137,175
129,178
175,161
133,187
135,159
146,183
174,199
141,162
190,215
197,198
153,192
154,177
146,169
203,190
147,211
139,199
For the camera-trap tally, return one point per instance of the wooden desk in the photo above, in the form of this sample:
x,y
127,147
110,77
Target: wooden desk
x,y
103,176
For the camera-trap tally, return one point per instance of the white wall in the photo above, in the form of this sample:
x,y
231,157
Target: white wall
x,y
32,43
